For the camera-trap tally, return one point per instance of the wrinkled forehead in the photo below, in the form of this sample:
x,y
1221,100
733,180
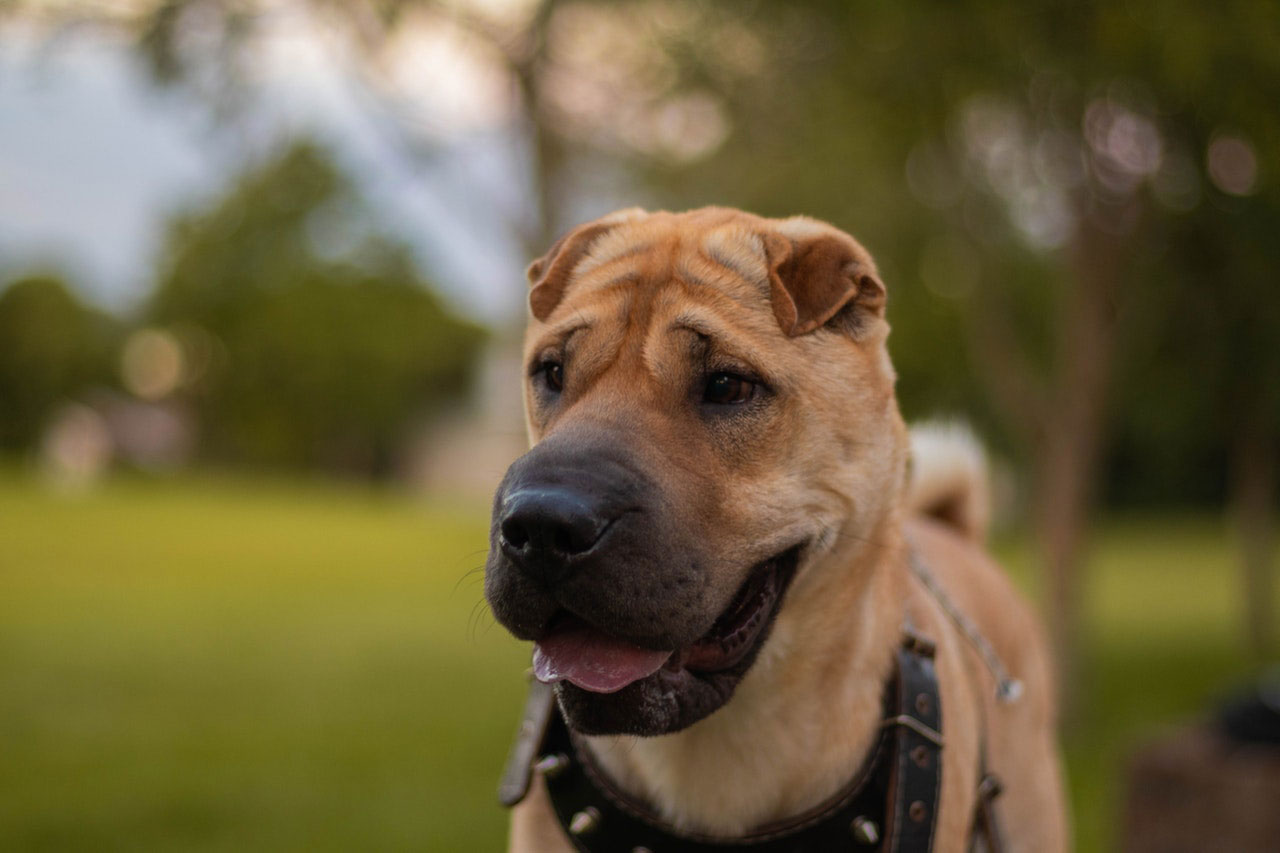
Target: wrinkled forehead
x,y
648,265
681,248
653,299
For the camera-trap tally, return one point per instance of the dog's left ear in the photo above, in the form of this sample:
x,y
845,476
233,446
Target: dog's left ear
x,y
549,275
819,276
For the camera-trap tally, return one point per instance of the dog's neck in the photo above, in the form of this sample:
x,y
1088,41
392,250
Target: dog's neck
x,y
803,717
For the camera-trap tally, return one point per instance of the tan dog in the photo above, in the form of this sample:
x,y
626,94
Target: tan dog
x,y
710,540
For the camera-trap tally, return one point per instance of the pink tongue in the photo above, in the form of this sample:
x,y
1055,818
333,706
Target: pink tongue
x,y
592,659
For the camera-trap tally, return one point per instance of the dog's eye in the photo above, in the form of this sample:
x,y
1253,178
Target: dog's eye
x,y
553,374
727,389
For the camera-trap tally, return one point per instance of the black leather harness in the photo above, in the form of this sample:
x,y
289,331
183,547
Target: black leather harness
x,y
891,803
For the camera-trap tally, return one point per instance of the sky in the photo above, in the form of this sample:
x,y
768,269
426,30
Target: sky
x,y
94,158
90,163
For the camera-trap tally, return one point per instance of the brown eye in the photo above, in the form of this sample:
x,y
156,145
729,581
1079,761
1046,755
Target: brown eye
x,y
725,389
553,375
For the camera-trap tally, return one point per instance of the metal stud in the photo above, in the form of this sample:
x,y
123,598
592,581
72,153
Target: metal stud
x,y
924,704
1009,690
865,831
920,755
917,811
552,766
584,821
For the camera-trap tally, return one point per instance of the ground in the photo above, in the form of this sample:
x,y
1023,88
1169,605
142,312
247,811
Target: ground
x,y
229,664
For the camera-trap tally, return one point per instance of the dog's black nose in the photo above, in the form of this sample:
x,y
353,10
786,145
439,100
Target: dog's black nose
x,y
543,529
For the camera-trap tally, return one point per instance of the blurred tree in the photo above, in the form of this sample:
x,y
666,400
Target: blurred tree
x,y
319,343
51,347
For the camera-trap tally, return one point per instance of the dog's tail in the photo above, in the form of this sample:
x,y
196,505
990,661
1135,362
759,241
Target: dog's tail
x,y
949,478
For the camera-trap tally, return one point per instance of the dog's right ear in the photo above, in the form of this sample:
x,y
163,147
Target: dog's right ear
x,y
549,275
820,276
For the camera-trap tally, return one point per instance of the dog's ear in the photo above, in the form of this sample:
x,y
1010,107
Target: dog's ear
x,y
549,275
819,276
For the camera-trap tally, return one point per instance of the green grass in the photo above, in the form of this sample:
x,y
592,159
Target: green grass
x,y
231,666
217,664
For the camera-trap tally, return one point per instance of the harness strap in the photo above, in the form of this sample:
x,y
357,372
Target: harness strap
x,y
984,834
916,779
524,749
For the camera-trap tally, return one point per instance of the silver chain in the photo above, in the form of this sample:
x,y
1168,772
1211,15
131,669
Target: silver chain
x,y
1008,688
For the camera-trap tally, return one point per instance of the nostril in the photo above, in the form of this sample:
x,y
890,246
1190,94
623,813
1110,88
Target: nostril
x,y
514,532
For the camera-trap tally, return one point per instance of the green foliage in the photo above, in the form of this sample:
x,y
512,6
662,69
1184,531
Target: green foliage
x,y
323,344
51,347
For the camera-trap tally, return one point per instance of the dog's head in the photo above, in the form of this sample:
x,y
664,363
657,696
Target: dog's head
x,y
712,408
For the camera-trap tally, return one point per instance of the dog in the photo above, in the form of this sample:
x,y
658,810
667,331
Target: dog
x,y
711,542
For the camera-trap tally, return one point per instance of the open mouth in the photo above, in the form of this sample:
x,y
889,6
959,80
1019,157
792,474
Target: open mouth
x,y
573,650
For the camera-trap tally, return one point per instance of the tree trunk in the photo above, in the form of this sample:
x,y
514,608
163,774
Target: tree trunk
x,y
1253,489
1066,480
546,152
1069,430
1071,440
